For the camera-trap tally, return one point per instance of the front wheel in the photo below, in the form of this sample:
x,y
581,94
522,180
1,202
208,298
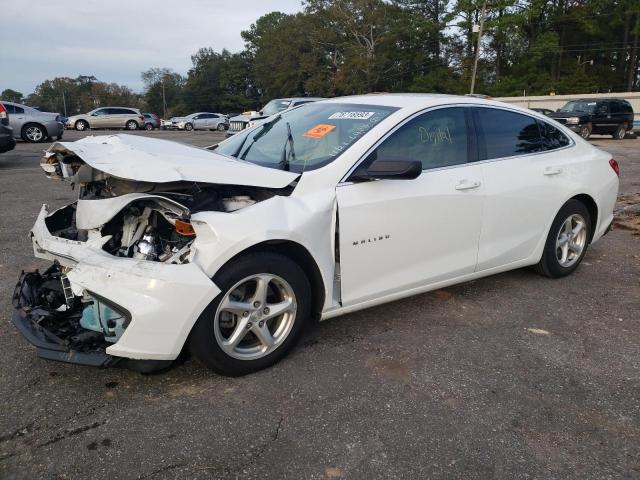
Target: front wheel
x,y
81,125
567,241
585,131
188,127
131,125
221,127
257,318
148,126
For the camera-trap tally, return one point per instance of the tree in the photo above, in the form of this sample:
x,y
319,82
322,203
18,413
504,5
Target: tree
x,y
10,95
164,91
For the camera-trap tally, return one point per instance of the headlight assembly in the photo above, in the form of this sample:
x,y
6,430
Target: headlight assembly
x,y
573,120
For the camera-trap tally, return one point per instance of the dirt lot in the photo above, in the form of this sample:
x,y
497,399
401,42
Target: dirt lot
x,y
514,376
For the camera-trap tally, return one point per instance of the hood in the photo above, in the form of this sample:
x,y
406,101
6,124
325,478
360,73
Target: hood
x,y
159,161
568,114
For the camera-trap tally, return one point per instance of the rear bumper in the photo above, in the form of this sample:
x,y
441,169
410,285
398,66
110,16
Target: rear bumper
x,y
7,143
163,300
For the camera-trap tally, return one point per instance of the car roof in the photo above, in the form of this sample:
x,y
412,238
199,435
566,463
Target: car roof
x,y
419,101
296,99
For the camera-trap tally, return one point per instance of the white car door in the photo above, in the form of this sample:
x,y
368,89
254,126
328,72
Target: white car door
x,y
525,179
395,235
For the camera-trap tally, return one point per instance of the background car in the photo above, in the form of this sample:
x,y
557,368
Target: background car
x,y
108,117
609,116
240,122
32,125
544,111
201,121
151,121
7,142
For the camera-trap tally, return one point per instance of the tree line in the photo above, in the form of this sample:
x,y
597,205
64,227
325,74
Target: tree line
x,y
343,47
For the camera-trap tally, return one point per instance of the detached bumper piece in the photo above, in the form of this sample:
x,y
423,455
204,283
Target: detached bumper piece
x,y
50,317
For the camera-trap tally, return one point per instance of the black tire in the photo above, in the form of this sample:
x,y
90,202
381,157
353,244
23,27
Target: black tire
x,y
220,127
34,133
148,126
549,264
132,125
585,131
202,342
81,125
620,132
188,127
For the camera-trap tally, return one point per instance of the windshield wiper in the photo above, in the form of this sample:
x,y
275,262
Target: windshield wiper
x,y
284,162
263,129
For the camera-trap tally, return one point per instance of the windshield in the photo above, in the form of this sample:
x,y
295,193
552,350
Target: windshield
x,y
275,106
304,138
579,106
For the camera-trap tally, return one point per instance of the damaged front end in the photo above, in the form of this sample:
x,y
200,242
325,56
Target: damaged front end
x,y
124,288
70,328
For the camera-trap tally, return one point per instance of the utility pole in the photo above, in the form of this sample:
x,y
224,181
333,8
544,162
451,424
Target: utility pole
x,y
64,103
475,61
164,101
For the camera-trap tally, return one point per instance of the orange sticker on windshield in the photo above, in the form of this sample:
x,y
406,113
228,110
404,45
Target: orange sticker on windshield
x,y
319,131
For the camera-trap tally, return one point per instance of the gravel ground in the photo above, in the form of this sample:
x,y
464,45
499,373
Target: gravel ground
x,y
513,376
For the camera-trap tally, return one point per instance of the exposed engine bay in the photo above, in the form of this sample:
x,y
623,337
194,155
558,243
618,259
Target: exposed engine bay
x,y
153,221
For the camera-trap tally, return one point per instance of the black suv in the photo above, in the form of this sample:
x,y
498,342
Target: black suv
x,y
608,116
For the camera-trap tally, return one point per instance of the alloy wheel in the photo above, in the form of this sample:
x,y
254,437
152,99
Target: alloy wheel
x,y
255,316
34,134
571,240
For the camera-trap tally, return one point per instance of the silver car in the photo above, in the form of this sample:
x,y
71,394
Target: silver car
x,y
33,125
108,117
201,121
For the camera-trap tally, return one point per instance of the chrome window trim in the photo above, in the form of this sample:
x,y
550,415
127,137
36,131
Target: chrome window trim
x,y
572,143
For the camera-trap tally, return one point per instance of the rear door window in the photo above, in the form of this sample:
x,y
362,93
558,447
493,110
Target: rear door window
x,y
503,133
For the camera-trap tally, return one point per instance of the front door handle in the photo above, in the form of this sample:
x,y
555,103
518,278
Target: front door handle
x,y
552,171
467,185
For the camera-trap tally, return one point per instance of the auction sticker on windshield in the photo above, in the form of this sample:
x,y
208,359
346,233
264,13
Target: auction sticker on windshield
x,y
351,115
319,131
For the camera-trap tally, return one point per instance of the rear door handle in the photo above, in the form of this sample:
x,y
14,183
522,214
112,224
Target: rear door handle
x,y
552,171
467,185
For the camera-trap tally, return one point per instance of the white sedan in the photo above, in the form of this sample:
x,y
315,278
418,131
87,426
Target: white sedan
x,y
319,211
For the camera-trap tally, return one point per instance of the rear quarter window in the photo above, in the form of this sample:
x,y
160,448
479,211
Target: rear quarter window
x,y
552,137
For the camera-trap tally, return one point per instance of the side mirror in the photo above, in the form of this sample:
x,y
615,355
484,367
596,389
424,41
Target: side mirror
x,y
387,168
94,114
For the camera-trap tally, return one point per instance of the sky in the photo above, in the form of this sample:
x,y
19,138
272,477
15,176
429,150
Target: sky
x,y
115,40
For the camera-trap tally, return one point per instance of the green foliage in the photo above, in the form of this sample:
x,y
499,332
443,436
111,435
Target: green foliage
x,y
10,95
80,95
341,47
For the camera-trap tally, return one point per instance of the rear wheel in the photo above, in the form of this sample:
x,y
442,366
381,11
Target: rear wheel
x,y
148,126
620,132
221,127
131,125
567,241
33,133
257,318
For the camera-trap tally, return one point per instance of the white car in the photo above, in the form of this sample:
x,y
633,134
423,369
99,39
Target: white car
x,y
325,209
201,121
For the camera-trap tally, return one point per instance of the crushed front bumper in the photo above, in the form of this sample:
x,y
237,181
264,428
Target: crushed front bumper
x,y
51,322
162,300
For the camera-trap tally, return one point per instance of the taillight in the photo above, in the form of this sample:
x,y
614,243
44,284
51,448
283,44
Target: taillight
x,y
615,166
141,117
3,111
